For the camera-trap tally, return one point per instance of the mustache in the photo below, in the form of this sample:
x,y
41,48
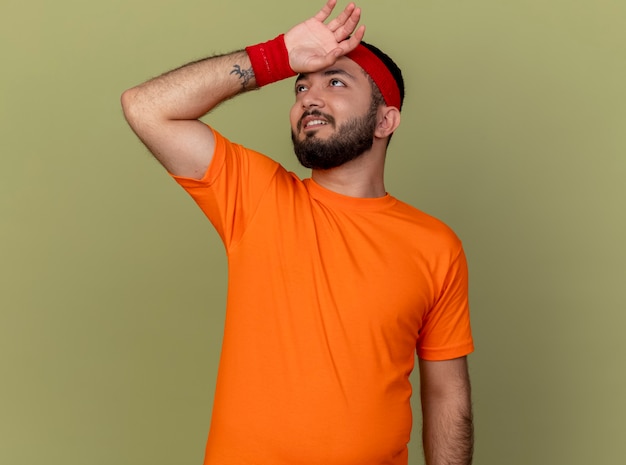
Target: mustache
x,y
325,116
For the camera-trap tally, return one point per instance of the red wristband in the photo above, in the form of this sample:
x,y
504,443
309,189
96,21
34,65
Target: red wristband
x,y
270,61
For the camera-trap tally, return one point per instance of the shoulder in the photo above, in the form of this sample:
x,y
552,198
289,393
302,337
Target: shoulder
x,y
227,147
426,226
233,164
232,157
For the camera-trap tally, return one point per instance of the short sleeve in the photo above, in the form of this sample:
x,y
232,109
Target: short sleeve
x,y
446,331
232,187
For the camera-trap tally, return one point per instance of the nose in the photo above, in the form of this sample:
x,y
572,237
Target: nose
x,y
312,98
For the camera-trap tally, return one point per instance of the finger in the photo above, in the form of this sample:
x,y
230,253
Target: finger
x,y
349,26
342,18
346,46
326,11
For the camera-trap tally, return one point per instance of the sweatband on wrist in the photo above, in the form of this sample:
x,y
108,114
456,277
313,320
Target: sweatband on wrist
x,y
270,61
379,73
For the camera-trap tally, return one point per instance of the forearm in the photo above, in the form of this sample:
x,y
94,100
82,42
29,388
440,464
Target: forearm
x,y
448,434
164,112
191,91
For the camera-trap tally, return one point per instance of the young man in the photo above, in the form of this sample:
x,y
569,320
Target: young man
x,y
333,283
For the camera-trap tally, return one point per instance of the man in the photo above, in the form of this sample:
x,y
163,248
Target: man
x,y
333,283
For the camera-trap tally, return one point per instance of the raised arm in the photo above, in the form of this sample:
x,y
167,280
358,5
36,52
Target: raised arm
x,y
447,412
164,112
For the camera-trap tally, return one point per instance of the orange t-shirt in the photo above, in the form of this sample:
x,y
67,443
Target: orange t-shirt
x,y
329,297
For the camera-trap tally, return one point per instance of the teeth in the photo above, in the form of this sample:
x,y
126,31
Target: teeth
x,y
315,121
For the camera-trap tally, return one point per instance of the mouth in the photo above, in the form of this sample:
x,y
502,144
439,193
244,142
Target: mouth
x,y
311,121
314,123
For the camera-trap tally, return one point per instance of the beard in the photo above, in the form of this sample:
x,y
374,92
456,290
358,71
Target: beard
x,y
350,140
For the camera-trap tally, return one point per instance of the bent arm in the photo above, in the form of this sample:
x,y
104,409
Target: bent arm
x,y
164,111
448,432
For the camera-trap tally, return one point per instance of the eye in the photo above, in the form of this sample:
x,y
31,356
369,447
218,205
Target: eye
x,y
300,88
336,83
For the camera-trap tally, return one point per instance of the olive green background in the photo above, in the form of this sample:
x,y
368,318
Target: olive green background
x,y
112,282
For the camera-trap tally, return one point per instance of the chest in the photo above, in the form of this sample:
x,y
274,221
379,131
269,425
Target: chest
x,y
368,271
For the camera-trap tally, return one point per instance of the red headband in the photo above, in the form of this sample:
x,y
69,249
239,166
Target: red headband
x,y
270,62
379,72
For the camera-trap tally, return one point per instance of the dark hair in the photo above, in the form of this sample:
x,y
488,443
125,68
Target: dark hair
x,y
391,66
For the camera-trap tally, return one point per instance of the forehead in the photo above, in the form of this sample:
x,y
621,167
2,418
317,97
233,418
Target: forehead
x,y
343,66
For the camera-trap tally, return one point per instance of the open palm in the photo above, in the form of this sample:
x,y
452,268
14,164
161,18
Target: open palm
x,y
314,45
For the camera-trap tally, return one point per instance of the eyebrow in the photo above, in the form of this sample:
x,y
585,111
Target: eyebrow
x,y
328,72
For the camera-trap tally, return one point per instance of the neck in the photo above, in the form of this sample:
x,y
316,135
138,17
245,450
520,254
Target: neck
x,y
362,177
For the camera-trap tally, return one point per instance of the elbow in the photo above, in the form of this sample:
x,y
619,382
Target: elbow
x,y
138,114
130,105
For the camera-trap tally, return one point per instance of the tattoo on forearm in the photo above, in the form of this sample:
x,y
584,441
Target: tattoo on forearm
x,y
244,74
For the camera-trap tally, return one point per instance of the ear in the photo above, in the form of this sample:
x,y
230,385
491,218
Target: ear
x,y
388,121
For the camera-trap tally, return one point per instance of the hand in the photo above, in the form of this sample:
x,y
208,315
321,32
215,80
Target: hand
x,y
313,45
